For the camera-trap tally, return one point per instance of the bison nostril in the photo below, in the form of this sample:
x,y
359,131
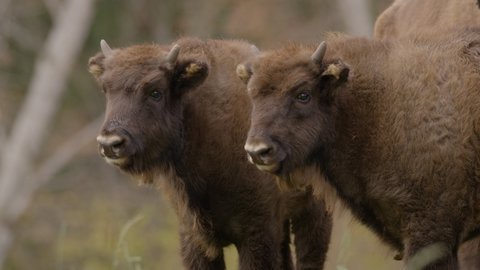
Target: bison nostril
x,y
111,145
260,154
264,152
117,145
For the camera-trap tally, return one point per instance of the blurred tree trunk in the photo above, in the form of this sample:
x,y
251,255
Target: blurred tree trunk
x,y
357,16
358,22
26,137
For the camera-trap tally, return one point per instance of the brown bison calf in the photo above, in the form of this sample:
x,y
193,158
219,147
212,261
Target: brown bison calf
x,y
393,126
158,126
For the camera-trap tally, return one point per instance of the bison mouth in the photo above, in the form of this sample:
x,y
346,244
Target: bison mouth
x,y
270,168
267,155
125,163
133,165
282,170
118,162
285,174
121,150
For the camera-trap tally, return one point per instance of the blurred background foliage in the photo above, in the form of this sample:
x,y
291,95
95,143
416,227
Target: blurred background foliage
x,y
90,216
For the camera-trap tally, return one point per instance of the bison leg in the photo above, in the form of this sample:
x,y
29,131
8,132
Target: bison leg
x,y
261,249
469,255
195,258
424,260
287,262
432,247
312,227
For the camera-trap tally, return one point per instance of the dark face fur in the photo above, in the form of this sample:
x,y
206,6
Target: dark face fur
x,y
293,107
143,89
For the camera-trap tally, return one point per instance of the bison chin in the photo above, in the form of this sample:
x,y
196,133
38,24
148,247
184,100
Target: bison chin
x,y
291,170
280,169
137,167
270,168
140,170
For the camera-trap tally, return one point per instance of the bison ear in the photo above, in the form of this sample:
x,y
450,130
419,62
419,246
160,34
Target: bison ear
x,y
244,72
189,74
335,73
95,65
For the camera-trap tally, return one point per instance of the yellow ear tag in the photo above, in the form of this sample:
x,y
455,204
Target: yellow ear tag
x,y
242,72
332,70
191,70
95,70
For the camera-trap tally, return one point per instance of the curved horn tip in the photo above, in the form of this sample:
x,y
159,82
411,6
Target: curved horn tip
x,y
106,50
173,54
255,49
319,53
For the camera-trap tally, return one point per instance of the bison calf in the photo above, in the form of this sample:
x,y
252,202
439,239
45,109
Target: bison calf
x,y
180,115
393,126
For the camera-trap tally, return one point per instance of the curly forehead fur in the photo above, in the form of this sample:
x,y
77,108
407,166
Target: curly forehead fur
x,y
289,56
133,66
154,54
270,68
140,53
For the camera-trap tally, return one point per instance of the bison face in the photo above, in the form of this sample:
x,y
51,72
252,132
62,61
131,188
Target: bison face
x,y
292,94
143,86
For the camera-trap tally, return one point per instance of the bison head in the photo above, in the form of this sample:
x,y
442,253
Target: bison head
x,y
292,93
143,86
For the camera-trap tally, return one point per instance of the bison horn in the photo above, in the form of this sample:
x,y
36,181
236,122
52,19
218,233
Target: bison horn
x,y
319,53
173,54
255,49
106,50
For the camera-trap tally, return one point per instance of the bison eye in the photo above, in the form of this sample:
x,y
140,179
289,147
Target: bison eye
x,y
155,94
303,97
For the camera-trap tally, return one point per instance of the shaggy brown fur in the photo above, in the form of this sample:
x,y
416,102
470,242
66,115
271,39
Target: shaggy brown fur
x,y
192,139
423,20
407,18
393,126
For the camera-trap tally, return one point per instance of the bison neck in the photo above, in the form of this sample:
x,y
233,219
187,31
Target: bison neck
x,y
349,169
186,190
346,168
350,162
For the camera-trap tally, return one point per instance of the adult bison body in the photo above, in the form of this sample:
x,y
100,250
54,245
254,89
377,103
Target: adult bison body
x,y
408,18
423,20
180,115
394,127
